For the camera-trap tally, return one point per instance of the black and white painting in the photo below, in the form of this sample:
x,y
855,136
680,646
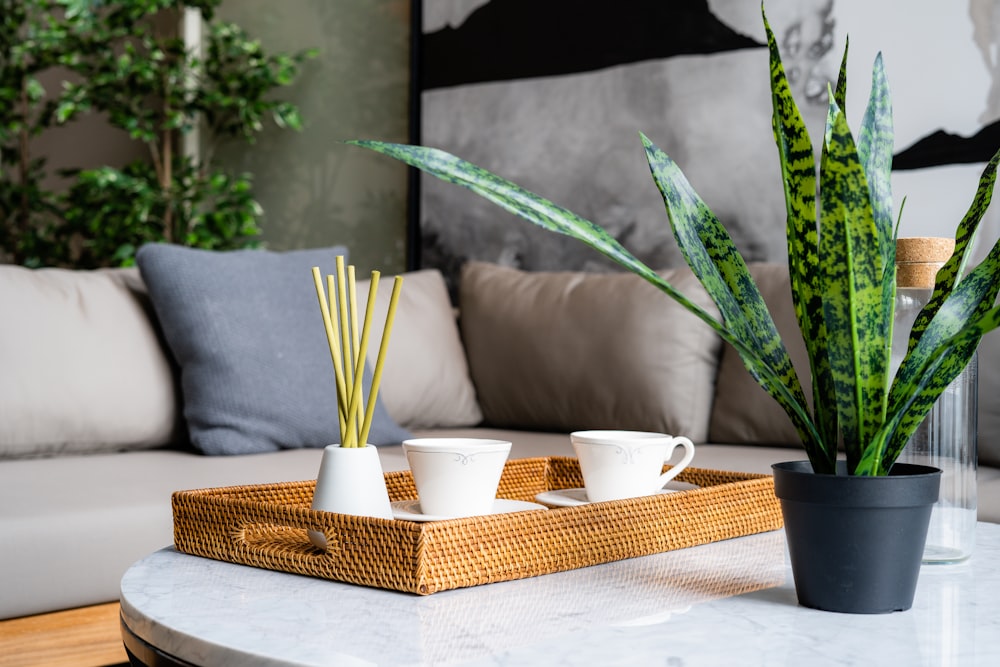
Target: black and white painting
x,y
552,95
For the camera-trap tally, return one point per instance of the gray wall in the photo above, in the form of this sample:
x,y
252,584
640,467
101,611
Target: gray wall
x,y
315,190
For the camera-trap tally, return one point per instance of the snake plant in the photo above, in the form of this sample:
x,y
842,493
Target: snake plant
x,y
842,272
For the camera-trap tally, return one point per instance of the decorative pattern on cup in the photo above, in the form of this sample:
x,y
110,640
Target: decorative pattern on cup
x,y
629,454
458,457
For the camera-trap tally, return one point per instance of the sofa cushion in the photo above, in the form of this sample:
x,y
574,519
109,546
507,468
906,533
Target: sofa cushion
x,y
82,369
571,350
246,330
743,413
425,380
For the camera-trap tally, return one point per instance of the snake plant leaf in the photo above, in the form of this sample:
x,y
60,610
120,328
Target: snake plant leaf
x,y
840,92
851,277
969,300
942,368
964,236
710,252
553,217
798,176
875,145
512,198
936,371
531,207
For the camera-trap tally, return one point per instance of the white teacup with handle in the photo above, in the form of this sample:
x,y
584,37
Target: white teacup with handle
x,y
627,464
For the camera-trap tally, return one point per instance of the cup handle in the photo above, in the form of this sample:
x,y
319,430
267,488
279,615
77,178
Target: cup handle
x,y
683,463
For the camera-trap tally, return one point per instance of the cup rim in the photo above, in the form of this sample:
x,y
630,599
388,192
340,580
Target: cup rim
x,y
617,437
445,444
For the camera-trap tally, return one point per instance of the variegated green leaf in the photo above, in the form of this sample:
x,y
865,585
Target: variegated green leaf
x,y
548,215
969,300
934,373
798,176
949,274
852,288
875,145
714,259
510,197
840,92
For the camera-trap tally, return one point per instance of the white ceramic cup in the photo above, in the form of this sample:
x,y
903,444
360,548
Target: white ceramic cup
x,y
456,476
627,464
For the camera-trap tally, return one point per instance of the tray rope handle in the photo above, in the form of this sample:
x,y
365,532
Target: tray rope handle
x,y
251,527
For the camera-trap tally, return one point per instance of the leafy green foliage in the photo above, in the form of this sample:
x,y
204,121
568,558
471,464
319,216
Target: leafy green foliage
x,y
112,212
30,43
841,266
130,64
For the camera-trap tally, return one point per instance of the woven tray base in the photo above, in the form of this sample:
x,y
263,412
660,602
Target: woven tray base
x,y
265,526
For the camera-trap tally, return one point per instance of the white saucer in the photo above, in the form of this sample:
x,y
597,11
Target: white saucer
x,y
578,496
409,510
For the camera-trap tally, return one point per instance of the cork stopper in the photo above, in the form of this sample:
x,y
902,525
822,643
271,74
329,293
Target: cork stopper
x,y
919,258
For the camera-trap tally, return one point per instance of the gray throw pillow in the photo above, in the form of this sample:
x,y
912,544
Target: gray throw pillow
x,y
245,328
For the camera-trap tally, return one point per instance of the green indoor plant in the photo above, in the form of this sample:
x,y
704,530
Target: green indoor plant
x,y
842,272
127,61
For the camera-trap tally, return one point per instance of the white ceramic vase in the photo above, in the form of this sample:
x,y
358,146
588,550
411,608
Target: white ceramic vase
x,y
350,481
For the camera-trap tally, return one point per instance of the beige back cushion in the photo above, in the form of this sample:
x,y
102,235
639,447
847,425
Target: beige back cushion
x,y
425,381
81,367
743,412
568,350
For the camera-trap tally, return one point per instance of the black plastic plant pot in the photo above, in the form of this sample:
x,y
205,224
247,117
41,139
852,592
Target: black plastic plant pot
x,y
856,543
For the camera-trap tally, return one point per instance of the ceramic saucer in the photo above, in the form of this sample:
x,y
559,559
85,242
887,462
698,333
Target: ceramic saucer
x,y
409,510
574,497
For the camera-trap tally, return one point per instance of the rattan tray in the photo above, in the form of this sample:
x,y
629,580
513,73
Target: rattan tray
x,y
265,526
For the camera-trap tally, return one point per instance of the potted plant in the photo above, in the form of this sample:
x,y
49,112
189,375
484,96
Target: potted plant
x,y
127,61
842,273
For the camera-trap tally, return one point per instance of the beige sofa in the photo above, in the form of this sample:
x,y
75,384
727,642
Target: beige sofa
x,y
93,426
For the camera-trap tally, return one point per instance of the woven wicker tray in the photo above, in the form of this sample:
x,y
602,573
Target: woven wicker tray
x,y
265,526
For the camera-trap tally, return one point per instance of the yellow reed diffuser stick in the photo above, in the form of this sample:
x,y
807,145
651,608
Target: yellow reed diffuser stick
x,y
348,349
352,291
335,355
397,285
355,409
345,344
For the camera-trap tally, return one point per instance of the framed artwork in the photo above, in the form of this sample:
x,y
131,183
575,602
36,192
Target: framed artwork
x,y
552,95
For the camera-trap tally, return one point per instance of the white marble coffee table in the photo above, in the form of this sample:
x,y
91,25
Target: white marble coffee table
x,y
678,609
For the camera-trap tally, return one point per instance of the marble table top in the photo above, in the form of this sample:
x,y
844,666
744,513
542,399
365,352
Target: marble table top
x,y
731,602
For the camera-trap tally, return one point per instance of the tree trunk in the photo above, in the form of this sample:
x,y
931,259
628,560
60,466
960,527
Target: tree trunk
x,y
166,181
23,217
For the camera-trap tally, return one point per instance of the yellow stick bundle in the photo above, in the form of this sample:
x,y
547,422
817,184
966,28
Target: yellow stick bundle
x,y
348,349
